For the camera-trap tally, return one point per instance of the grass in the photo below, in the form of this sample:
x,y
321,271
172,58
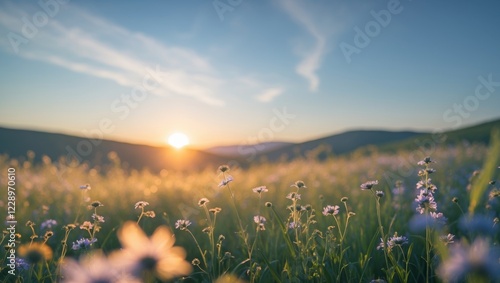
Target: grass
x,y
373,234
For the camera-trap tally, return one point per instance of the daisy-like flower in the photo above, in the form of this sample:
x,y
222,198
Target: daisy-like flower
x,y
299,185
425,200
369,185
182,224
381,245
35,252
430,170
379,194
87,225
83,243
98,218
85,187
21,264
447,239
156,254
141,204
294,225
226,181
396,241
425,161
150,214
421,184
293,196
392,242
48,224
203,202
93,268
478,261
259,190
261,221
215,210
331,210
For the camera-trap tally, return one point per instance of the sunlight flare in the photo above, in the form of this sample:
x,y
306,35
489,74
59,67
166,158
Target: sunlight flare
x,y
178,140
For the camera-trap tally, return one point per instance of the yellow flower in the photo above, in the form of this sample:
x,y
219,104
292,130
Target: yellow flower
x,y
35,252
229,279
155,254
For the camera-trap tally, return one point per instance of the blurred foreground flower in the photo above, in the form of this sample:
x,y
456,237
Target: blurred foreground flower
x,y
229,279
92,268
156,254
477,263
35,252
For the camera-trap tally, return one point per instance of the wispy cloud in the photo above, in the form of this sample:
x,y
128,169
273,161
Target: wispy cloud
x,y
269,94
81,42
312,59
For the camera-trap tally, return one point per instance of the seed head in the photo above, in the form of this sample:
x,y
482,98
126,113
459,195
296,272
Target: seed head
x,y
203,202
48,234
223,168
215,210
182,224
96,204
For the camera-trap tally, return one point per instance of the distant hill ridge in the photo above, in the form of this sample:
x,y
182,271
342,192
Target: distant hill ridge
x,y
16,143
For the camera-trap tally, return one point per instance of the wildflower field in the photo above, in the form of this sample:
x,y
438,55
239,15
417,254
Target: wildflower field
x,y
408,216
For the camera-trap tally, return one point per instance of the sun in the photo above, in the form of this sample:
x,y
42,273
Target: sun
x,y
178,140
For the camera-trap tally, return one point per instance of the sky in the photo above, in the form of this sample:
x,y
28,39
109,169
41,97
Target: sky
x,y
241,72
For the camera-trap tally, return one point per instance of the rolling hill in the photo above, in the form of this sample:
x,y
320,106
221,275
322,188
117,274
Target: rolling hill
x,y
16,143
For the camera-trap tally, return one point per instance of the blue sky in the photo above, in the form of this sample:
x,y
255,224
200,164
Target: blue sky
x,y
240,71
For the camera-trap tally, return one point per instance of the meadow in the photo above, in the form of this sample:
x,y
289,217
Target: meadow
x,y
406,216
